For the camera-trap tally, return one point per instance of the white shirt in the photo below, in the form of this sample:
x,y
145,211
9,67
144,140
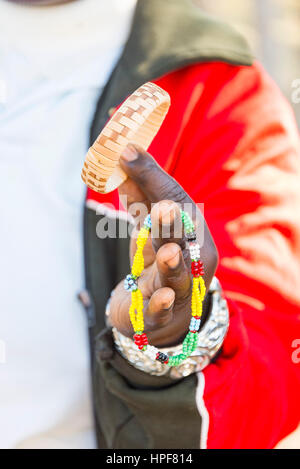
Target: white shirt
x,y
53,63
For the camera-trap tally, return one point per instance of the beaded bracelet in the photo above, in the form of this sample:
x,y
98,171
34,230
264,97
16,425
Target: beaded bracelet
x,y
198,292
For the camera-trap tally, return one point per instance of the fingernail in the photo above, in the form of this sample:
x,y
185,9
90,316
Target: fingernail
x,y
169,306
129,153
174,261
167,213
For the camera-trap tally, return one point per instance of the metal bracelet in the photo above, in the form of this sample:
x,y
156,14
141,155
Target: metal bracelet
x,y
210,340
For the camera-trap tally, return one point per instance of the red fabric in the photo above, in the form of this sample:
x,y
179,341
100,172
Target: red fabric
x,y
231,141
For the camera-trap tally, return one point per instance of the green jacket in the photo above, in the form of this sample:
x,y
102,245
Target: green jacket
x,y
133,409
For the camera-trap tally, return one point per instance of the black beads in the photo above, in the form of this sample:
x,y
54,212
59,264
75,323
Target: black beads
x,y
162,357
191,236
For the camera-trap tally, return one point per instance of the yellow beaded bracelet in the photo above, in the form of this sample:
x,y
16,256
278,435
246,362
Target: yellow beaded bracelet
x,y
198,293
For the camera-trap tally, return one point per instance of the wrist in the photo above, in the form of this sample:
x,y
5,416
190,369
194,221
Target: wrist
x,y
211,338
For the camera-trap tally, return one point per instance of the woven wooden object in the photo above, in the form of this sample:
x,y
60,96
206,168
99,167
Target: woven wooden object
x,y
136,121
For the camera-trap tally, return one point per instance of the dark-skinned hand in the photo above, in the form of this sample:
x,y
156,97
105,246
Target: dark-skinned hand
x,y
166,280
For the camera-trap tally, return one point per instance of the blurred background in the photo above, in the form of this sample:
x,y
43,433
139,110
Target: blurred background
x,y
49,351
272,27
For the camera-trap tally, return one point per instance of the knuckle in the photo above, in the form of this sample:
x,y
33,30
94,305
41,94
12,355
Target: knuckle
x,y
171,190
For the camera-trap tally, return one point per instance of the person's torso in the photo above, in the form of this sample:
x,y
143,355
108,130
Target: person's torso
x,y
50,86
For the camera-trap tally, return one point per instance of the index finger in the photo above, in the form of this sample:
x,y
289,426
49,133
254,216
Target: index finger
x,y
155,183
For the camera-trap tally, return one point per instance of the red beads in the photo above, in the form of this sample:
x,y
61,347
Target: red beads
x,y
197,268
140,340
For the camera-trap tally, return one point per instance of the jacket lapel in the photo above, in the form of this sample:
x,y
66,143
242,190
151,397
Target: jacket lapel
x,y
167,35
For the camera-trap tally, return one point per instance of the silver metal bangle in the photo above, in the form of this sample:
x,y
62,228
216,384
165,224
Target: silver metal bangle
x,y
210,340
